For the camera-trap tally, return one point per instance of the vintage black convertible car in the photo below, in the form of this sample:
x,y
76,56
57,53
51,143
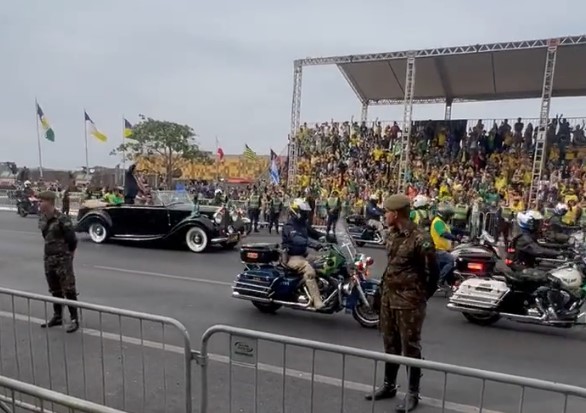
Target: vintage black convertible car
x,y
172,217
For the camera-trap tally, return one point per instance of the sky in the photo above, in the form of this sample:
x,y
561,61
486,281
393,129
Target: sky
x,y
226,67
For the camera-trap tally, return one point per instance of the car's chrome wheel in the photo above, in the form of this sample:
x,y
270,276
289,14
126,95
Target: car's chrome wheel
x,y
196,239
98,232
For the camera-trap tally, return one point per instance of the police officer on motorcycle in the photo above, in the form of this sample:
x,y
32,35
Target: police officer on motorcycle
x,y
526,248
557,231
296,235
219,198
374,214
526,252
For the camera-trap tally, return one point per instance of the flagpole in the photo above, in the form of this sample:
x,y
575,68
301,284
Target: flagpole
x,y
87,159
217,160
123,152
38,139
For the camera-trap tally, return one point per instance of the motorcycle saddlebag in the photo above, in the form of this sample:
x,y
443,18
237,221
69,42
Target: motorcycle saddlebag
x,y
260,253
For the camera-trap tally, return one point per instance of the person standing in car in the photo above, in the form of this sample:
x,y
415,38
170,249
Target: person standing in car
x,y
131,186
60,245
409,280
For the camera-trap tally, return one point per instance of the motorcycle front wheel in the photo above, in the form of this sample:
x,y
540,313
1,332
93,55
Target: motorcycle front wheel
x,y
22,212
366,316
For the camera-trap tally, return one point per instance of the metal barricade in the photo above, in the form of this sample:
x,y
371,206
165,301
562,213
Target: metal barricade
x,y
17,396
311,376
130,360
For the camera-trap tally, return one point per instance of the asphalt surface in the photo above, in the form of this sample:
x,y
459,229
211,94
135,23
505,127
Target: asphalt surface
x,y
120,361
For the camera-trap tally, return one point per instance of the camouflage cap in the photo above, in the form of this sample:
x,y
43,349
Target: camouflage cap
x,y
47,195
396,202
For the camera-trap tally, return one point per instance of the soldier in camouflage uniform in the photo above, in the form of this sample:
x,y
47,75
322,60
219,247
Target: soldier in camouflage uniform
x,y
409,280
60,245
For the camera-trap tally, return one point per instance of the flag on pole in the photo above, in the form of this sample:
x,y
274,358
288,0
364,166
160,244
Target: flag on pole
x,y
93,130
249,153
219,151
274,169
127,129
49,133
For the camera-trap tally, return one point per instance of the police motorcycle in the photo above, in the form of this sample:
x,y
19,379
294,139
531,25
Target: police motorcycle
x,y
26,203
342,277
361,232
241,222
474,258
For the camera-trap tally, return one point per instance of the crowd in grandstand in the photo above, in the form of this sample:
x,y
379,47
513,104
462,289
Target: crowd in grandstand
x,y
449,161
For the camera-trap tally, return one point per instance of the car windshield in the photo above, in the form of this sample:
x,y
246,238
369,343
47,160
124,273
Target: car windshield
x,y
166,198
344,240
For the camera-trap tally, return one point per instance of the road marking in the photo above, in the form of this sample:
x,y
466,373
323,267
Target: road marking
x,y
161,275
267,368
20,232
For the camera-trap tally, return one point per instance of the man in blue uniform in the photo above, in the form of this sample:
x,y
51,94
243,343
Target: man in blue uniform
x,y
296,236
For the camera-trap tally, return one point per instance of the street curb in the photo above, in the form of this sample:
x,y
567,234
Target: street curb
x,y
13,209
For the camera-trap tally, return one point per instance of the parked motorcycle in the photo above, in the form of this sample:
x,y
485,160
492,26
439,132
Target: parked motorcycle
x,y
342,277
361,232
525,297
26,205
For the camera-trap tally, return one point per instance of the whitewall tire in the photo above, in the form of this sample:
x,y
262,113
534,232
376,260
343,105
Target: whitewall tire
x,y
97,232
196,239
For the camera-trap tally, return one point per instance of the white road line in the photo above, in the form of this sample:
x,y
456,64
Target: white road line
x,y
13,231
267,368
161,275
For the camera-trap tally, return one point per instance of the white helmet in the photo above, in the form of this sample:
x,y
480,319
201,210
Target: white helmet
x,y
218,192
373,197
529,220
421,201
27,183
561,209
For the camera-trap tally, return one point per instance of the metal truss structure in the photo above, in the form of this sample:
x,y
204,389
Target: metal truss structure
x,y
540,142
410,98
405,146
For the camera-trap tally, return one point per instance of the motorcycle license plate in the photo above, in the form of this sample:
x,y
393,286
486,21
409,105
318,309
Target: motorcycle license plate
x,y
253,255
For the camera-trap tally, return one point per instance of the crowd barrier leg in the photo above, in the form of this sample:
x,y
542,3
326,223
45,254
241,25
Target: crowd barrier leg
x,y
129,360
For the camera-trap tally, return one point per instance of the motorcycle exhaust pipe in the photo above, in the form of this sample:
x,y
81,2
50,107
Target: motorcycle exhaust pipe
x,y
514,317
269,301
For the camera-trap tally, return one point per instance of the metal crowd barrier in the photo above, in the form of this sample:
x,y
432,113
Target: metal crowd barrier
x,y
272,384
17,396
130,360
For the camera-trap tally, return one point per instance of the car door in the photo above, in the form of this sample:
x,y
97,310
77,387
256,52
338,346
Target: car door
x,y
155,221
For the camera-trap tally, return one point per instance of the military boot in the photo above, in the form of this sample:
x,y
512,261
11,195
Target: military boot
x,y
57,318
74,325
389,388
412,397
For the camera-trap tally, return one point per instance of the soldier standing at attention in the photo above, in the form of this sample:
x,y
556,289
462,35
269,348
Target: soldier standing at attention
x,y
409,280
60,245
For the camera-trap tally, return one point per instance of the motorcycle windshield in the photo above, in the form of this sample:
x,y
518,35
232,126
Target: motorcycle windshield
x,y
345,241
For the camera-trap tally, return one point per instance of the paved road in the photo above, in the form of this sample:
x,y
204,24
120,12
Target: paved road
x,y
195,289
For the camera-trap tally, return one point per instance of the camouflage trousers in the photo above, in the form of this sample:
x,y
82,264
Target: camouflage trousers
x,y
401,330
59,275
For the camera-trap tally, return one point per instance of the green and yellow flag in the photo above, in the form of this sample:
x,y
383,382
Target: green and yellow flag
x,y
49,133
